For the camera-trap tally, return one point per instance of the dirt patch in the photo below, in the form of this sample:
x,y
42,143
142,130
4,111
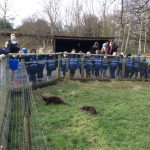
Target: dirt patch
x,y
91,84
136,88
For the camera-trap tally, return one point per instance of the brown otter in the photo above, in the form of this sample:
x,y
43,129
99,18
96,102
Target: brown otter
x,y
90,109
52,100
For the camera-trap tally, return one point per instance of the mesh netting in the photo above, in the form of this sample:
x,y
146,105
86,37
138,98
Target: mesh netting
x,y
5,105
20,132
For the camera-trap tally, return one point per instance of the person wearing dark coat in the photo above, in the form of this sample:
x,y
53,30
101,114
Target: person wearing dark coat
x,y
50,65
136,64
12,44
119,66
143,67
112,47
94,48
73,63
88,65
113,65
41,64
64,64
33,68
105,66
97,63
128,66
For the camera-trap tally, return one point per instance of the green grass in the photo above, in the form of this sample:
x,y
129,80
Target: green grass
x,y
123,125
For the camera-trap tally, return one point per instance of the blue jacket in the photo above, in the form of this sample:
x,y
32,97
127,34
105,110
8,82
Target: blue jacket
x,y
129,62
51,64
41,60
33,63
114,62
88,63
5,52
97,62
73,62
64,62
105,63
136,62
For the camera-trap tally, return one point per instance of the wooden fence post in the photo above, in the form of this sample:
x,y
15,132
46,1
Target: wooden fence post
x,y
82,66
123,66
27,134
59,58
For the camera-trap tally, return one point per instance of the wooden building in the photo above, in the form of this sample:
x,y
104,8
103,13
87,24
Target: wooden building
x,y
67,43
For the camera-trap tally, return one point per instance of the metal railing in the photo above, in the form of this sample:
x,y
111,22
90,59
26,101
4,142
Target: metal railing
x,y
84,66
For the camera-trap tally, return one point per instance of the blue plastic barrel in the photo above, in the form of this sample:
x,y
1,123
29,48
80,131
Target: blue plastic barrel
x,y
13,63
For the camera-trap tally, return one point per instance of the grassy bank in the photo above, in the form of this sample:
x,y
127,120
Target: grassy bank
x,y
123,122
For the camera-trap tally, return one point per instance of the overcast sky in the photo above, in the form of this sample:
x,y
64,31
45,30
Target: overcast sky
x,y
26,8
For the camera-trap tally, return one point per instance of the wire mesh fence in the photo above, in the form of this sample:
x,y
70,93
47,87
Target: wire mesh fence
x,y
17,111
23,124
4,102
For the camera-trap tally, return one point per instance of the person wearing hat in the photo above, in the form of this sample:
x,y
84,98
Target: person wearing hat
x,y
12,44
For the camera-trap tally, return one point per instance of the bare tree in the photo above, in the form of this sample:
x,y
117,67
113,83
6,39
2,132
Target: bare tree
x,y
38,29
52,10
6,11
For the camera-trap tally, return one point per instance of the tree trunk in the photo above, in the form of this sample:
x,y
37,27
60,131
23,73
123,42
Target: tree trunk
x,y
140,37
123,37
128,36
145,42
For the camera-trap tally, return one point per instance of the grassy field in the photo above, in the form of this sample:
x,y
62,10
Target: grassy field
x,y
123,122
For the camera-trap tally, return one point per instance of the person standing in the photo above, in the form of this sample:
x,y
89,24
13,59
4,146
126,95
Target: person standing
x,y
110,47
104,48
94,48
41,64
12,44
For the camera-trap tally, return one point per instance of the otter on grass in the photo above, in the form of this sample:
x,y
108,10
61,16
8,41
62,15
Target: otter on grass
x,y
90,109
53,100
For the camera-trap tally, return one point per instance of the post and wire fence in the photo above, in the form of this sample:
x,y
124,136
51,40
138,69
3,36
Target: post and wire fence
x,y
5,105
20,128
80,66
18,109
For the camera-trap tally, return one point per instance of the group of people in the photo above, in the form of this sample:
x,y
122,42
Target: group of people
x,y
105,65
11,46
96,62
109,47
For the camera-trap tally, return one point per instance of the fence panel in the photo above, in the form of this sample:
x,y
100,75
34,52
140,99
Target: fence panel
x,y
4,102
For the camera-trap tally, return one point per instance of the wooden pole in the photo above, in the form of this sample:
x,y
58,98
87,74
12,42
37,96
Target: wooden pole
x,y
123,66
59,57
82,67
27,135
